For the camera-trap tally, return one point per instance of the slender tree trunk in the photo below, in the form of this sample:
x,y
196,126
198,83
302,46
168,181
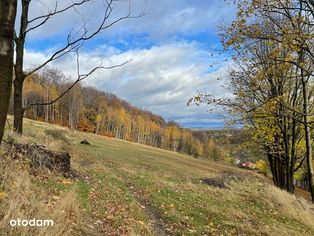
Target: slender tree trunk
x,y
309,157
294,135
280,172
18,106
272,167
97,127
7,21
289,178
293,157
307,132
46,108
19,73
287,159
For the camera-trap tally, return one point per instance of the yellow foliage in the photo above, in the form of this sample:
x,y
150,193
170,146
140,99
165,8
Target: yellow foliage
x,y
299,175
98,118
262,166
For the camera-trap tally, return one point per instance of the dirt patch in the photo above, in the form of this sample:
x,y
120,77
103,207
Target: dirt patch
x,y
223,180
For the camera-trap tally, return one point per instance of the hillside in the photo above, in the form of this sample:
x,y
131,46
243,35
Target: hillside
x,y
88,109
125,188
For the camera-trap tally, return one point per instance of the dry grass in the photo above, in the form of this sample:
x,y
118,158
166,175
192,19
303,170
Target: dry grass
x,y
22,199
53,139
264,209
289,204
132,189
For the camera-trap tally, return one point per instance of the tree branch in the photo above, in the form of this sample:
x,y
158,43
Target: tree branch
x,y
80,77
72,45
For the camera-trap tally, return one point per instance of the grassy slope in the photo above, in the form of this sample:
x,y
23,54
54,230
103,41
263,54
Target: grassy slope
x,y
134,189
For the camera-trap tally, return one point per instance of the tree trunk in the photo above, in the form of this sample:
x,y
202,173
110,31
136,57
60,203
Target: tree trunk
x,y
18,106
19,73
7,21
272,167
309,157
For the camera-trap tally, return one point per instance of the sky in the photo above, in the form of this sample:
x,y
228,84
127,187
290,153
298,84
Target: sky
x,y
173,48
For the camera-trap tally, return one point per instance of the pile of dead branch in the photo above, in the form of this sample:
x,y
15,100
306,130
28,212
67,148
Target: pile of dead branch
x,y
40,157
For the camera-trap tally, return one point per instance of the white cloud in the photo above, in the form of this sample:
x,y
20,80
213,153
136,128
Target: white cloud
x,y
160,79
164,18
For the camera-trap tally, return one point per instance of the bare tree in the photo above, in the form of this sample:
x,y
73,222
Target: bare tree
x,y
7,21
74,41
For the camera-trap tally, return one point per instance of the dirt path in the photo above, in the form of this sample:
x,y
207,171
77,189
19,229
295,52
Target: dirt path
x,y
157,223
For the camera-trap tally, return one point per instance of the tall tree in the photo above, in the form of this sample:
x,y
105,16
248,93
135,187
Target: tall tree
x,y
273,48
292,39
306,76
7,21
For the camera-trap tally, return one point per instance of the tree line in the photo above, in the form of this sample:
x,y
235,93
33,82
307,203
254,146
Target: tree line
x,y
87,109
271,77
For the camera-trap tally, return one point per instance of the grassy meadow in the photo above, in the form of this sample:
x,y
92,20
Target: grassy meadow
x,y
124,188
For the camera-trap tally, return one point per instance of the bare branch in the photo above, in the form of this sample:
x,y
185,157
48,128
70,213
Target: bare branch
x,y
73,44
80,77
55,11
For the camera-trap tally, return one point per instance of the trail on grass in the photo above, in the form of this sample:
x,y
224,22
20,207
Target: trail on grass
x,y
152,212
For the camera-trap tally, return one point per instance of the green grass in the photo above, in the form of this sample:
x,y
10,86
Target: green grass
x,y
83,190
130,188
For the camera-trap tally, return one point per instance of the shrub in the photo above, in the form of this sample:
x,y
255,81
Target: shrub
x,y
262,166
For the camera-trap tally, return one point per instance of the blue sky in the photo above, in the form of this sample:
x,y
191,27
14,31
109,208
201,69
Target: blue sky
x,y
171,48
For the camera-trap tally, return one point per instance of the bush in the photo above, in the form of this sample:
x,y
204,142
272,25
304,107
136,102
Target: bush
x,y
262,167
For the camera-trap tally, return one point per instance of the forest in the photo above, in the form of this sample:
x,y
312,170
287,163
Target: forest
x,y
87,109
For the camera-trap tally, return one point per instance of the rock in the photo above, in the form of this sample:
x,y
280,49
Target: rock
x,y
84,141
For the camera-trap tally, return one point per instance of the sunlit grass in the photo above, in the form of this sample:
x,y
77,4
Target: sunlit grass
x,y
128,188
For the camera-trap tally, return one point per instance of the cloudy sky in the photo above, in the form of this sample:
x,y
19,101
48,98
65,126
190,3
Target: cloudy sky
x,y
173,48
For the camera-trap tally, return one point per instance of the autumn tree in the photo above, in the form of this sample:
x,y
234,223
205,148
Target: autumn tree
x,y
101,111
280,35
271,78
